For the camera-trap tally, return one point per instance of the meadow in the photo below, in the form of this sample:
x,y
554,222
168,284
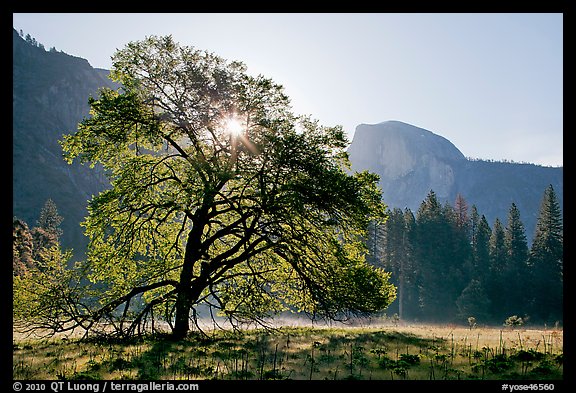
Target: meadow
x,y
299,352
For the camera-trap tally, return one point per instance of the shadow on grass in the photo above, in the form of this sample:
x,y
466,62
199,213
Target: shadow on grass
x,y
283,354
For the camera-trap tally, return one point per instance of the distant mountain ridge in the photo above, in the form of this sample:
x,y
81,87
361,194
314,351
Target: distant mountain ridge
x,y
411,161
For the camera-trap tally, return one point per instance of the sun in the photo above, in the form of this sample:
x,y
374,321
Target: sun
x,y
233,126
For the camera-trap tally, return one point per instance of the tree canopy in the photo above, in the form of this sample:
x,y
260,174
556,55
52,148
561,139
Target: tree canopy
x,y
220,196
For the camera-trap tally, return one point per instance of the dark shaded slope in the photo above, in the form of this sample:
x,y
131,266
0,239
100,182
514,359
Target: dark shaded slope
x,y
50,98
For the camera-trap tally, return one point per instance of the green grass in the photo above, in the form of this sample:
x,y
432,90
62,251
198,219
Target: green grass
x,y
303,353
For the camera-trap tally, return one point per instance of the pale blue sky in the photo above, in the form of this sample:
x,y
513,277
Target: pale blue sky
x,y
490,83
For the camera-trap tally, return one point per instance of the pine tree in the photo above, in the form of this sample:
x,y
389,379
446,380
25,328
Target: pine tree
x,y
397,254
496,282
374,242
546,260
439,258
460,257
474,223
461,212
50,219
429,234
409,304
474,302
516,268
393,253
480,247
46,233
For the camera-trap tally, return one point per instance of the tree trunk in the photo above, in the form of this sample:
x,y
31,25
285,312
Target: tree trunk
x,y
401,297
186,297
183,306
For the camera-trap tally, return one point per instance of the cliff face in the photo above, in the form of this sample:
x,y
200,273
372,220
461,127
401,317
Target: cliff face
x,y
50,97
411,161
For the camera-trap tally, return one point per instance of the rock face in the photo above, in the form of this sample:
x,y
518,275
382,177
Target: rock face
x,y
411,161
50,97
